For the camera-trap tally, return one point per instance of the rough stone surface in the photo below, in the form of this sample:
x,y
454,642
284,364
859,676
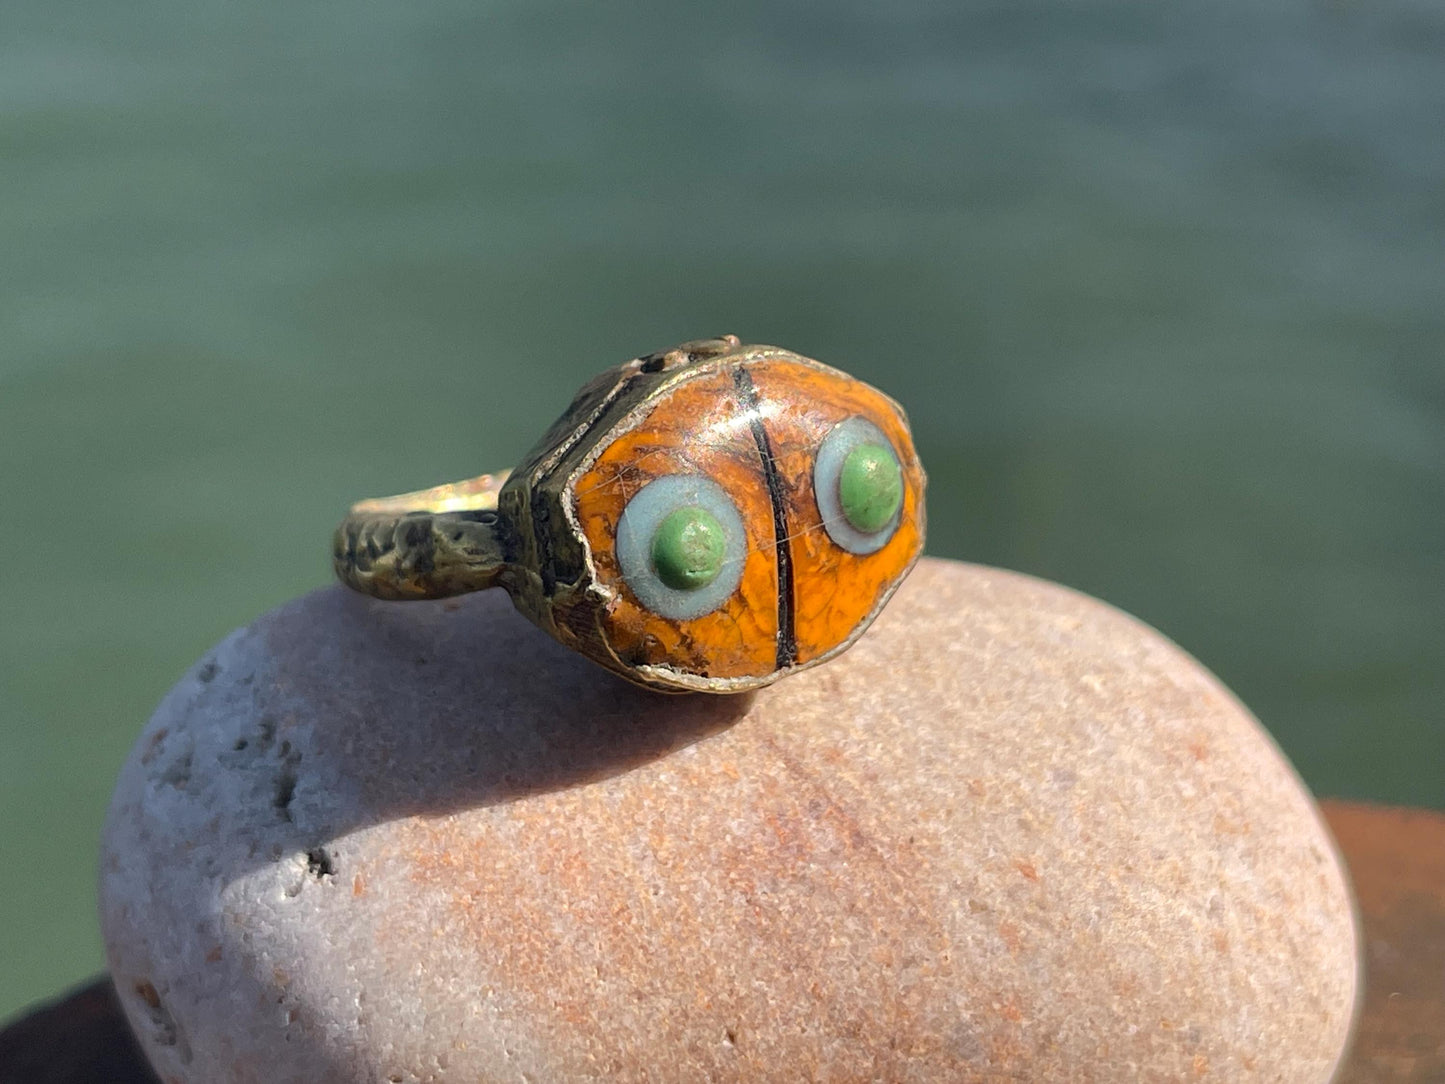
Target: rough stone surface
x,y
1013,834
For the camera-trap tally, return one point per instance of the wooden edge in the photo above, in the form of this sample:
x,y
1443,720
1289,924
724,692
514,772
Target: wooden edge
x,y
1396,859
80,1038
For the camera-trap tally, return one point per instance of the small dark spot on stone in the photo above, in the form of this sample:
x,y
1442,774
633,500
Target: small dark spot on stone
x,y
285,790
147,993
178,772
208,671
241,743
730,1037
164,1030
319,863
154,745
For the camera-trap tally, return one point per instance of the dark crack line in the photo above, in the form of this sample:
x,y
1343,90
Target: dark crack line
x,y
787,634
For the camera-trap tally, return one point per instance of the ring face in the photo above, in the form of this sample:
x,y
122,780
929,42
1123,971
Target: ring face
x,y
767,432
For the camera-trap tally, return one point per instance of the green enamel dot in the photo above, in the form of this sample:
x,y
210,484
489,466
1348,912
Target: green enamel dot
x,y
870,487
688,549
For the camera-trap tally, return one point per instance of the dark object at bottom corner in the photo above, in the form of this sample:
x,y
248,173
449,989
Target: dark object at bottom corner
x,y
81,1038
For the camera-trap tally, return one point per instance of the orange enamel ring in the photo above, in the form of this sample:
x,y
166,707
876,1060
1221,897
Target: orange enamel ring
x,y
706,518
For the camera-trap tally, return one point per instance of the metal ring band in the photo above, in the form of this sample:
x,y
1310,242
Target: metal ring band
x,y
431,543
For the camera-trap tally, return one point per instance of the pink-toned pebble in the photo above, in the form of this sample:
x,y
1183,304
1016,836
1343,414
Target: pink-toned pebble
x,y
1013,834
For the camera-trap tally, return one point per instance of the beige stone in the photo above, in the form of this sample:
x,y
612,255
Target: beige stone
x,y
1013,834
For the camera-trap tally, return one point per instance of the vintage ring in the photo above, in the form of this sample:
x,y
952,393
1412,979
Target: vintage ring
x,y
709,518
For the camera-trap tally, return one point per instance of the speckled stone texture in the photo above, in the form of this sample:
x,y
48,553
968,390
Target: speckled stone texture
x,y
1013,834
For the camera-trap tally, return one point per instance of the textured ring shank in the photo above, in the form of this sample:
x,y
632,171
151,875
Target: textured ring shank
x,y
428,544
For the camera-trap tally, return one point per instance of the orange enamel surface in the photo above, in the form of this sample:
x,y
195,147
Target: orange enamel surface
x,y
698,427
702,426
833,590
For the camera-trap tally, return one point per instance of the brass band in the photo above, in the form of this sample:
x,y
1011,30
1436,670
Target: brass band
x,y
430,543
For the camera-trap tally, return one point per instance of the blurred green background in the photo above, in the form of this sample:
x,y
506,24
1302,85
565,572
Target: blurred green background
x,y
1161,284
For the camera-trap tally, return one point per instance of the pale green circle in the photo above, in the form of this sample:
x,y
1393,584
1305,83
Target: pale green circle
x,y
688,549
835,451
639,525
870,486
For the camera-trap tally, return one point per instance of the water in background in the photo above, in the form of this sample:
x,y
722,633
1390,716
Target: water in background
x,y
1160,284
